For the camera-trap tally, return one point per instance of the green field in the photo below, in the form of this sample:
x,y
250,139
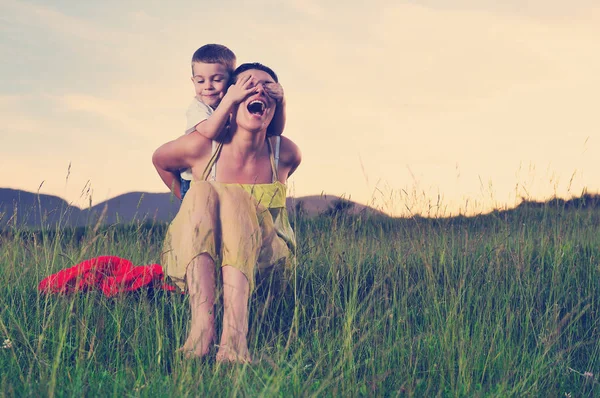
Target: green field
x,y
505,304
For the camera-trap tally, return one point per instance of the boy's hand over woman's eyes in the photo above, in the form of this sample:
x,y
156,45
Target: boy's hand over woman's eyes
x,y
275,91
241,89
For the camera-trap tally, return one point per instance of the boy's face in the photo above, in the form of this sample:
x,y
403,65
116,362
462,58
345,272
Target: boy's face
x,y
256,111
210,82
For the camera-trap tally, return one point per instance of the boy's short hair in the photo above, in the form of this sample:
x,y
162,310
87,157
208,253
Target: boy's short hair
x,y
215,54
254,65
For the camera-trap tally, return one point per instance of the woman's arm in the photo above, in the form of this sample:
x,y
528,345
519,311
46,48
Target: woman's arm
x,y
289,158
179,154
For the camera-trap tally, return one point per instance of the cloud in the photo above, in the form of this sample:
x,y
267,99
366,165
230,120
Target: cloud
x,y
36,16
310,8
539,9
142,16
433,89
376,95
108,109
16,120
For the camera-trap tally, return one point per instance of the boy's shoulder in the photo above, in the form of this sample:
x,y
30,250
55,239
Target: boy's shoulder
x,y
197,112
196,104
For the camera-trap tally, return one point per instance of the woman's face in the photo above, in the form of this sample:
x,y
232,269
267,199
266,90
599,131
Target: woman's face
x,y
256,112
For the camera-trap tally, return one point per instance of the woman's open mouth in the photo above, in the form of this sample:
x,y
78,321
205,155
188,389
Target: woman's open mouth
x,y
257,107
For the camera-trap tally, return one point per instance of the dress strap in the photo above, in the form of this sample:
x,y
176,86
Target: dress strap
x,y
274,156
277,144
211,168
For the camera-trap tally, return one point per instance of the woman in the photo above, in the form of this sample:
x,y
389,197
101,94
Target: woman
x,y
234,211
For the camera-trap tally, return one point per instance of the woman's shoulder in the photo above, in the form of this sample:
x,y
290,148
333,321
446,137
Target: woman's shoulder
x,y
289,152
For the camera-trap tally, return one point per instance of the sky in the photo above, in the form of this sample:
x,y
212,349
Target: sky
x,y
414,107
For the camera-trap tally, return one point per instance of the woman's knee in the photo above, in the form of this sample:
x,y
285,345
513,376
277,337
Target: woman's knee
x,y
202,203
235,200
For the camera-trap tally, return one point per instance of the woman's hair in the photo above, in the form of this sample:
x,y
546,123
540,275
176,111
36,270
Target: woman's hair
x,y
253,65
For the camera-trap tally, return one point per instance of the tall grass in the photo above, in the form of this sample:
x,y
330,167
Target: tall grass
x,y
504,304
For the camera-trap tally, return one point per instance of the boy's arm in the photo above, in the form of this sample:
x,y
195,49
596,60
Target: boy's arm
x,y
275,91
178,154
212,127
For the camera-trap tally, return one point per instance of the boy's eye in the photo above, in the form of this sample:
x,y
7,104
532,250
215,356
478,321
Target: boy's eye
x,y
200,81
218,80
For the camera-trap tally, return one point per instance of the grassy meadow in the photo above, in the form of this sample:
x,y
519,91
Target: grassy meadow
x,y
504,304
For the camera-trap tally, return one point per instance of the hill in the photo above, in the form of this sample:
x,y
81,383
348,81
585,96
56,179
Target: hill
x,y
313,205
585,201
136,206
29,209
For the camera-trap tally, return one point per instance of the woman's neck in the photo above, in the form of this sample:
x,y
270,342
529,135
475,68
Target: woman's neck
x,y
246,144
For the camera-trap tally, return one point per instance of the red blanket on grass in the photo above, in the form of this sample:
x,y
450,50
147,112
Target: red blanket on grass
x,y
109,274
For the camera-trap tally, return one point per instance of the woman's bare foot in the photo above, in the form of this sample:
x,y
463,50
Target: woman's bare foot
x,y
198,343
231,354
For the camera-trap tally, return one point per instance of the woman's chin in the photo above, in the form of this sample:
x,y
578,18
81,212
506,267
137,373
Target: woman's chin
x,y
255,126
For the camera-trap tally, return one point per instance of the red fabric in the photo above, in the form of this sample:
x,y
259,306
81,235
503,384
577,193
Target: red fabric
x,y
109,274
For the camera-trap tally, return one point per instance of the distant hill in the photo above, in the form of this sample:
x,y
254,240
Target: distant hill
x,y
136,206
29,209
319,204
585,201
26,208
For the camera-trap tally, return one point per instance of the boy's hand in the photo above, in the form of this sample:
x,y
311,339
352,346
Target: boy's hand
x,y
241,89
275,91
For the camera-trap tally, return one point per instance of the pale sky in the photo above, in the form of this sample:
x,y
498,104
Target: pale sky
x,y
399,104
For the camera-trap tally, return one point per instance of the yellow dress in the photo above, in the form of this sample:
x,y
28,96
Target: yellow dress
x,y
242,225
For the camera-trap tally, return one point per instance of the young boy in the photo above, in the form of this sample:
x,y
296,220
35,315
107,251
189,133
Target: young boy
x,y
209,112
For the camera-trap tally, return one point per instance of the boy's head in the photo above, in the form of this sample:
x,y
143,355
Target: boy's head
x,y
212,67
